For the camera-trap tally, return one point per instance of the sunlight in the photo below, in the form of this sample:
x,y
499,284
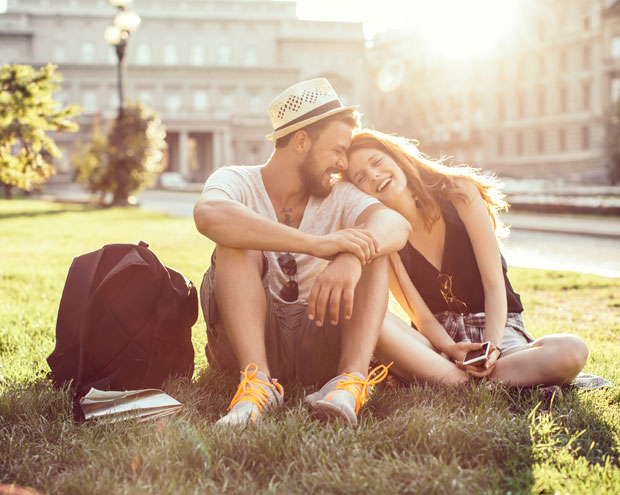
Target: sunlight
x,y
451,29
472,29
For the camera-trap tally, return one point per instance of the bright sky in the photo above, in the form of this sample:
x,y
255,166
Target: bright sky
x,y
455,28
2,6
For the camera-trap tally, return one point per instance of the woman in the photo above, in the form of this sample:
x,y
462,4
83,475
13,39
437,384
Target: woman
x,y
451,278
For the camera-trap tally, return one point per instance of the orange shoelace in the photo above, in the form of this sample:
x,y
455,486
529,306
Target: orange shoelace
x,y
359,387
252,389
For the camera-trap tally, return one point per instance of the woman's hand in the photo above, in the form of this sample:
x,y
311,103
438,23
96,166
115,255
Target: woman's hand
x,y
457,350
480,371
359,242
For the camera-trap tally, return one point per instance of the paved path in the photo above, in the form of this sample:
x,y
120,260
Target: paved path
x,y
564,242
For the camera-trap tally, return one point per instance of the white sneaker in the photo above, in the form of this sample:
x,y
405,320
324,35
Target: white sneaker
x,y
255,394
342,396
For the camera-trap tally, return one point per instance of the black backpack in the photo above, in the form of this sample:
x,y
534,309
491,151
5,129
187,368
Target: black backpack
x,y
124,322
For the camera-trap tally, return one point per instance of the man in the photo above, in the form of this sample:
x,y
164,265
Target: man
x,y
274,306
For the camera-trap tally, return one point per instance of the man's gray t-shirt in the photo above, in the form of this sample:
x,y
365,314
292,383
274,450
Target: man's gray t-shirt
x,y
339,210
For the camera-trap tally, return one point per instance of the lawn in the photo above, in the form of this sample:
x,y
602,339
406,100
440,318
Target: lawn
x,y
419,439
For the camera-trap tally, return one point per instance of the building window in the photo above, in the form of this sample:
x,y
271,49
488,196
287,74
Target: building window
x,y
250,57
586,95
173,103
519,143
170,54
586,57
586,23
255,106
520,104
223,55
541,30
585,137
478,157
541,141
146,97
563,60
58,55
198,55
143,54
200,100
615,89
563,99
562,140
113,101
500,107
227,102
88,53
89,102
112,57
615,47
541,101
500,145
541,64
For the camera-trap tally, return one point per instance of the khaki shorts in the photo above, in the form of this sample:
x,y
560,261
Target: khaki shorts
x,y
297,349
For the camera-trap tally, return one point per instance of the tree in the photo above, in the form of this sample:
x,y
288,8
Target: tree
x,y
612,144
27,112
126,160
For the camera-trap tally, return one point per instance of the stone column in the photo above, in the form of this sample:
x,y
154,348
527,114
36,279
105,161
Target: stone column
x,y
216,150
227,152
183,162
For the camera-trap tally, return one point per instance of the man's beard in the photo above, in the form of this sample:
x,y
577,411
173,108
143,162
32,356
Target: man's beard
x,y
308,171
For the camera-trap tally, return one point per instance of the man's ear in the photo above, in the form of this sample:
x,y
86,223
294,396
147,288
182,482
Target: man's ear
x,y
302,142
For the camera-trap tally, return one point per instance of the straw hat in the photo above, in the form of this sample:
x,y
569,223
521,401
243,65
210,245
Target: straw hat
x,y
301,105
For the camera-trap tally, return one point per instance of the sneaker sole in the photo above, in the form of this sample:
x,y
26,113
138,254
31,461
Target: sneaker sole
x,y
328,411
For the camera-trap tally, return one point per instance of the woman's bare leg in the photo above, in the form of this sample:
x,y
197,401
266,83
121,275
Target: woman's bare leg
x,y
413,355
549,360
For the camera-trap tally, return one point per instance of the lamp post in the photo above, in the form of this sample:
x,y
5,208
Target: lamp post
x,y
117,34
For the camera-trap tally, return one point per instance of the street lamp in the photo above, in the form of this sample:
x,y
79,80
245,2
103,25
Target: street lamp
x,y
117,34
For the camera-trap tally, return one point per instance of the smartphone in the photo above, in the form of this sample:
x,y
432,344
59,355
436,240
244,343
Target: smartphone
x,y
477,356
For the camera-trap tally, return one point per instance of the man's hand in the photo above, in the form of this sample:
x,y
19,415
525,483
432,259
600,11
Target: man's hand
x,y
359,242
334,285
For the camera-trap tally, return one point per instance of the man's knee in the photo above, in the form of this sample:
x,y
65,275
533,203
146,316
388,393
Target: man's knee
x,y
243,260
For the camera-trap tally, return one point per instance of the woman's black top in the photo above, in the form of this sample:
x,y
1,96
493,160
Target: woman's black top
x,y
459,262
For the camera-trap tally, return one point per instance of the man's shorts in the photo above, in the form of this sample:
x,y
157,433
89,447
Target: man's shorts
x,y
297,349
470,328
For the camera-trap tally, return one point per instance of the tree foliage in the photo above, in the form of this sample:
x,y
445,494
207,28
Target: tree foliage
x,y
27,113
127,159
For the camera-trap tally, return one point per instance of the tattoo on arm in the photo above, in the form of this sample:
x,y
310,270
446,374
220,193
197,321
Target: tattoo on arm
x,y
287,215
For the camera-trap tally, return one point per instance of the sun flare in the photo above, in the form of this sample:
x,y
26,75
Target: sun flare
x,y
451,29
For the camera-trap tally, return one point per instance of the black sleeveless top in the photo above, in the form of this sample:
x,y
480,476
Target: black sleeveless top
x,y
459,262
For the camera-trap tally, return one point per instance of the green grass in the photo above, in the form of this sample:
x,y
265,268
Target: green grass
x,y
418,439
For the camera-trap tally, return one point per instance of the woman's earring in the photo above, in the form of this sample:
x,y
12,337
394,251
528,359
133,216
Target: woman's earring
x,y
417,201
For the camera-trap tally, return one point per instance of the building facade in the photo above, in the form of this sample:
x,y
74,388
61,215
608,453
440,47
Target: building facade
x,y
210,67
536,109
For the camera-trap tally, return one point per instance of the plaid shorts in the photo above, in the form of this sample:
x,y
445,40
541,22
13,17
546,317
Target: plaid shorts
x,y
470,328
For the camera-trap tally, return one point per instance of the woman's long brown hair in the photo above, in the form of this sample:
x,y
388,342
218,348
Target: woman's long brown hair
x,y
431,180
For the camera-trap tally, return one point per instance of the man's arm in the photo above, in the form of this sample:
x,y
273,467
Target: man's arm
x,y
336,284
232,224
390,228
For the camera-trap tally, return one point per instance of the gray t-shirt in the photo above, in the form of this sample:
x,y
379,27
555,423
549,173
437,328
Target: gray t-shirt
x,y
339,210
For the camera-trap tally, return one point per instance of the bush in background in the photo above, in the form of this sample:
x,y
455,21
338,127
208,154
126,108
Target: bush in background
x,y
125,161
